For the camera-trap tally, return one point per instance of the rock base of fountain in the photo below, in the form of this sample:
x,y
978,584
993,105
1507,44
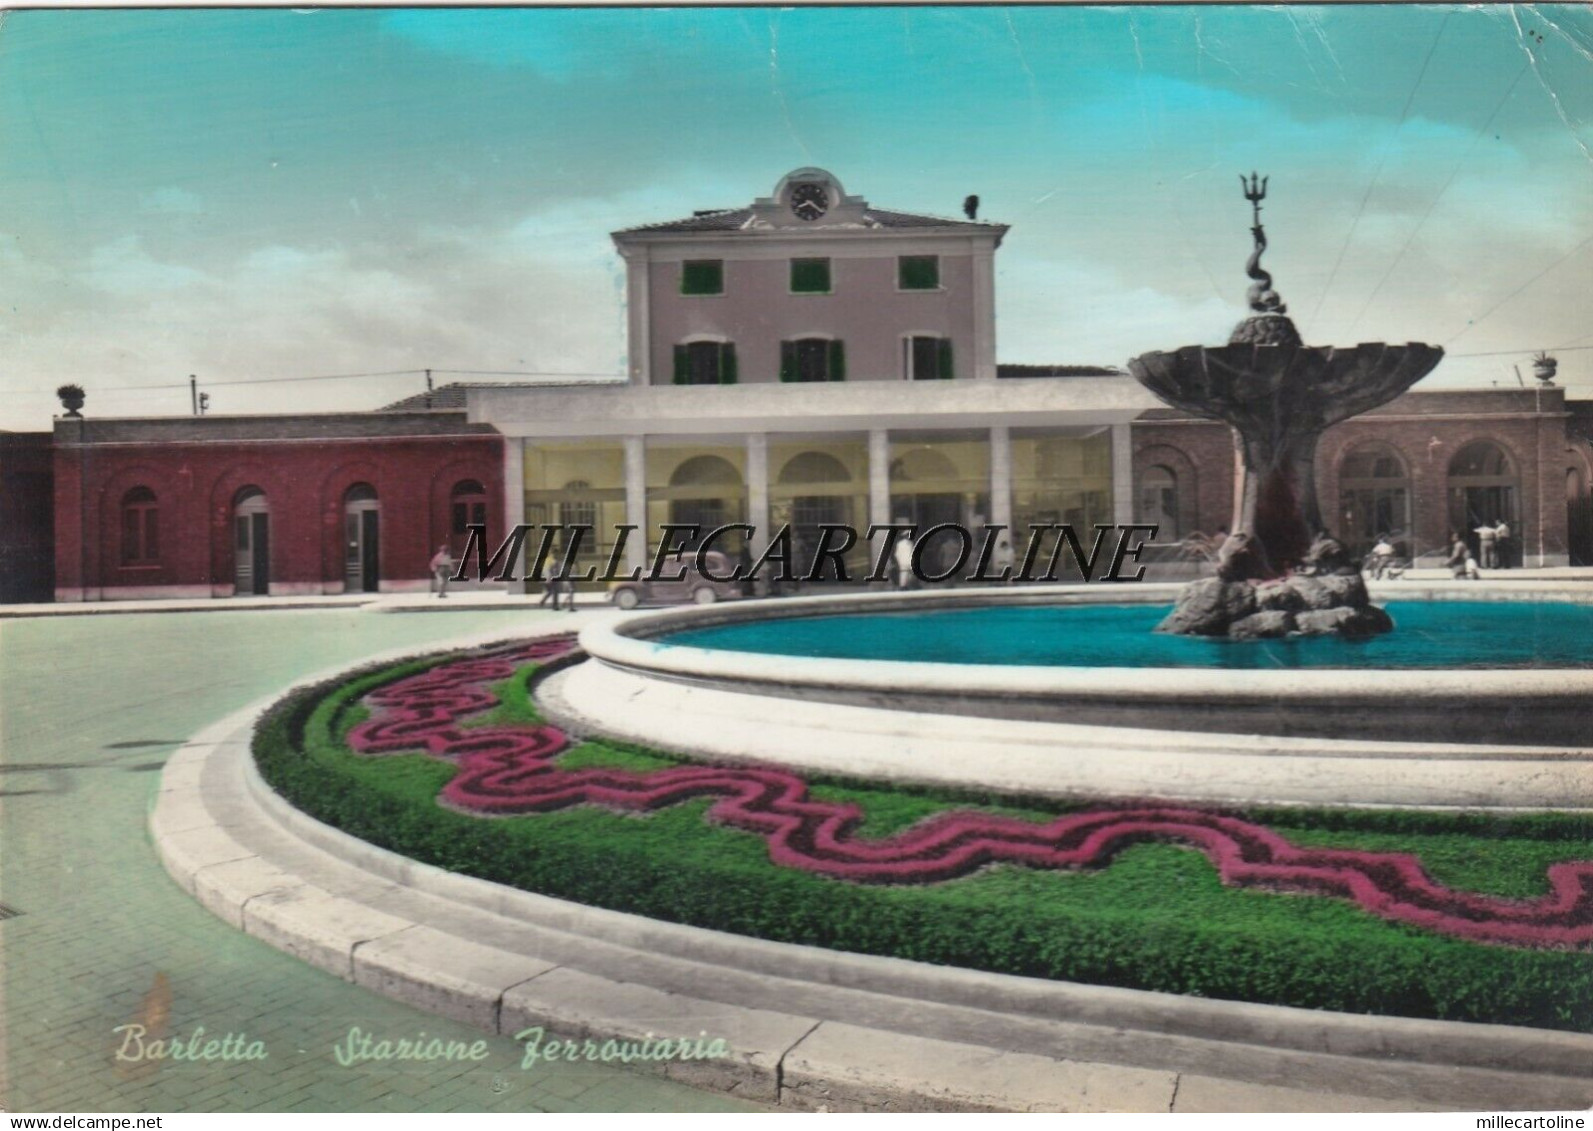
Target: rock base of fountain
x,y
1295,606
1327,597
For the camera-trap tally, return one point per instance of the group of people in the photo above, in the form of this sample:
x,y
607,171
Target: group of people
x,y
557,587
899,570
1493,545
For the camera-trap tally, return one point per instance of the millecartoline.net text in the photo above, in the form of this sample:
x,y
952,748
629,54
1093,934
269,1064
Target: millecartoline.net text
x,y
892,552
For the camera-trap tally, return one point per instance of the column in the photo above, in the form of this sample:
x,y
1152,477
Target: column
x,y
514,505
879,488
638,314
1000,478
636,501
758,491
1122,474
879,477
984,312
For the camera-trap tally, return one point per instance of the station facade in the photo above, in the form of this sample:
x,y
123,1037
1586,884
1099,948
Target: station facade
x,y
809,359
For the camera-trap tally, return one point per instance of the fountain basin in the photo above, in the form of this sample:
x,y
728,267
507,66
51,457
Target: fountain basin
x,y
1510,738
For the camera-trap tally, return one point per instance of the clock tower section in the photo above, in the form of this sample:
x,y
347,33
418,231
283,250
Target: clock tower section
x,y
810,285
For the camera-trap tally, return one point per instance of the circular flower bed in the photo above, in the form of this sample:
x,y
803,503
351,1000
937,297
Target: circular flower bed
x,y
414,757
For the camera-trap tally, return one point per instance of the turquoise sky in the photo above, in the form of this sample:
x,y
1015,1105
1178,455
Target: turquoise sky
x,y
277,193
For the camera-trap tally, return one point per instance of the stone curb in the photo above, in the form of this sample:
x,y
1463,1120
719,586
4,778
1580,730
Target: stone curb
x,y
806,1027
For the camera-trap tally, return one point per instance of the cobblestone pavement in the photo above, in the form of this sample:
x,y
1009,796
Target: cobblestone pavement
x,y
100,937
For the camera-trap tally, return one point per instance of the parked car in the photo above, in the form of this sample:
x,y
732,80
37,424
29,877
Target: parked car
x,y
692,585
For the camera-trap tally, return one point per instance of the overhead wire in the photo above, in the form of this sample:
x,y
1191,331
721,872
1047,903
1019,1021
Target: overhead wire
x,y
1378,173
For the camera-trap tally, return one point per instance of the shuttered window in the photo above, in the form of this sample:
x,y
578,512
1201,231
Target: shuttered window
x,y
810,276
918,272
812,359
927,359
702,277
705,363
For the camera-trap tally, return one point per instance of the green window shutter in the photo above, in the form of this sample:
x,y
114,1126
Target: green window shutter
x,y
702,277
788,361
682,366
918,272
944,368
837,361
810,276
727,364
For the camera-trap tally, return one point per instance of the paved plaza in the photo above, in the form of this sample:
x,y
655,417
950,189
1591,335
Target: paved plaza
x,y
98,936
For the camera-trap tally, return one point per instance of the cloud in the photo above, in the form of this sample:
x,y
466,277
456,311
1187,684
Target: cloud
x,y
171,202
123,267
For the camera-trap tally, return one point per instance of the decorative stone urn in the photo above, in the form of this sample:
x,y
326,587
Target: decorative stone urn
x,y
72,397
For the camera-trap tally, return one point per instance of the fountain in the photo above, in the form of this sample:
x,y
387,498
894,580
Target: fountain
x,y
1066,691
1279,573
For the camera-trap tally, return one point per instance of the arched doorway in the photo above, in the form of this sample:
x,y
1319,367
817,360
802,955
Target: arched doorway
x,y
467,507
1578,517
361,540
251,543
810,512
1374,498
1158,501
1484,488
923,489
705,491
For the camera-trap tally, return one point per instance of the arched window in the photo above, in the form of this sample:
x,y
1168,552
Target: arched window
x,y
922,465
819,507
814,467
1374,496
812,359
469,499
1484,489
704,471
140,527
579,511
1578,517
712,495
362,524
705,363
251,525
1158,501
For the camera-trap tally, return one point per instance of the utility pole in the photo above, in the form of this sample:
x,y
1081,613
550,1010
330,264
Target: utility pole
x,y
193,392
428,388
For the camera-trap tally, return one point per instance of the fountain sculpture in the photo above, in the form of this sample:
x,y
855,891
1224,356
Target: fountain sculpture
x,y
1279,572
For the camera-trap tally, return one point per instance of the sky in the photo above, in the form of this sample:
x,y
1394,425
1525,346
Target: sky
x,y
262,197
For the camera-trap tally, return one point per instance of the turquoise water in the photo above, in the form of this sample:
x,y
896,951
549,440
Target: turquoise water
x,y
1427,634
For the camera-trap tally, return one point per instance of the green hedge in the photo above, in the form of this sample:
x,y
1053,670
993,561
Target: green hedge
x,y
1157,919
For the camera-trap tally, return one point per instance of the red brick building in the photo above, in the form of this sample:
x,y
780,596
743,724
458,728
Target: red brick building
x,y
1418,467
280,505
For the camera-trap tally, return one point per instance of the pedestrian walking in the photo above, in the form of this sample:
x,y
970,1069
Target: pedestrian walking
x,y
442,569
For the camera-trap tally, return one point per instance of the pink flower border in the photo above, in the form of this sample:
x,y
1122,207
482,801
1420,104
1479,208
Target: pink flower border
x,y
507,770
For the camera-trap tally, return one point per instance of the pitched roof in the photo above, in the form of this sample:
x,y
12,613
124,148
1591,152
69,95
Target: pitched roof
x,y
444,396
736,219
1014,370
453,396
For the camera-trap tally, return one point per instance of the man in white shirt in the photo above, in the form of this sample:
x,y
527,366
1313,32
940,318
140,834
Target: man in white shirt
x,y
1488,544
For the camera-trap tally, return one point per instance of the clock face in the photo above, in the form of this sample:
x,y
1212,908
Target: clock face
x,y
810,201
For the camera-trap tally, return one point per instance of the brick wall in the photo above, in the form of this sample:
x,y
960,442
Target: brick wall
x,y
1426,430
196,481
